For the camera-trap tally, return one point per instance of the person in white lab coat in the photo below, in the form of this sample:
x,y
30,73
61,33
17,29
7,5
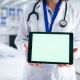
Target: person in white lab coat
x,y
49,71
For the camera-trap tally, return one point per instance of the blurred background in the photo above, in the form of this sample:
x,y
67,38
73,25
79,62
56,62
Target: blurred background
x,y
10,14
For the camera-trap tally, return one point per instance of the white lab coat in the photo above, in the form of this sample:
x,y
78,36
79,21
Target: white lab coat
x,y
50,72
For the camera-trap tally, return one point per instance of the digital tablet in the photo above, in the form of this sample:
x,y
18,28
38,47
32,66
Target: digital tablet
x,y
52,48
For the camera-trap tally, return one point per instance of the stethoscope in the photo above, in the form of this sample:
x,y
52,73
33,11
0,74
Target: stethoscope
x,y
63,22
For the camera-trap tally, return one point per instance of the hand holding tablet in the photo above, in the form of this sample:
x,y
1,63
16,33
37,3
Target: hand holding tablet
x,y
52,48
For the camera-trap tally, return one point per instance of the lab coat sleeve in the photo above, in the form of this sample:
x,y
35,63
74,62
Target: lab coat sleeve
x,y
77,33
23,31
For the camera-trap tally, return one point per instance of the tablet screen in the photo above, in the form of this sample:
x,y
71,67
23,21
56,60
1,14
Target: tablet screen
x,y
50,48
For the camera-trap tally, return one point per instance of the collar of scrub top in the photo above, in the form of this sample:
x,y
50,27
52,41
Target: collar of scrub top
x,y
49,29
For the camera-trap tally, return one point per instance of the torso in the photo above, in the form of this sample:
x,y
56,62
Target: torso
x,y
39,26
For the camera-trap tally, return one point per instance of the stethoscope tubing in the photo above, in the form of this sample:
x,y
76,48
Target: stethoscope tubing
x,y
34,12
63,22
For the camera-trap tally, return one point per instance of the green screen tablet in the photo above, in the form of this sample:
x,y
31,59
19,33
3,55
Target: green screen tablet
x,y
52,48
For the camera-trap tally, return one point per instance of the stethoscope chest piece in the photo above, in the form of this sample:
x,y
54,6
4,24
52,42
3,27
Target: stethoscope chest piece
x,y
63,23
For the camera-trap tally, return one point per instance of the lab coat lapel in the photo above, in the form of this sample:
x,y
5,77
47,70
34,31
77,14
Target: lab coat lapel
x,y
40,11
60,15
40,8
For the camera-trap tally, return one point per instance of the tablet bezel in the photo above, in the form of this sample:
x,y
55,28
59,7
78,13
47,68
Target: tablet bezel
x,y
70,47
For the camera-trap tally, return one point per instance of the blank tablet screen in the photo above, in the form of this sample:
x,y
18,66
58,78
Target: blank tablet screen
x,y
50,48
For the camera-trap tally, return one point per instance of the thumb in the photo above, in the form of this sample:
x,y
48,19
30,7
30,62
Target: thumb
x,y
75,50
26,47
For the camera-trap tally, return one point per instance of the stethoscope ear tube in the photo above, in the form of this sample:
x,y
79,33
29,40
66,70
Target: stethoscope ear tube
x,y
34,12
